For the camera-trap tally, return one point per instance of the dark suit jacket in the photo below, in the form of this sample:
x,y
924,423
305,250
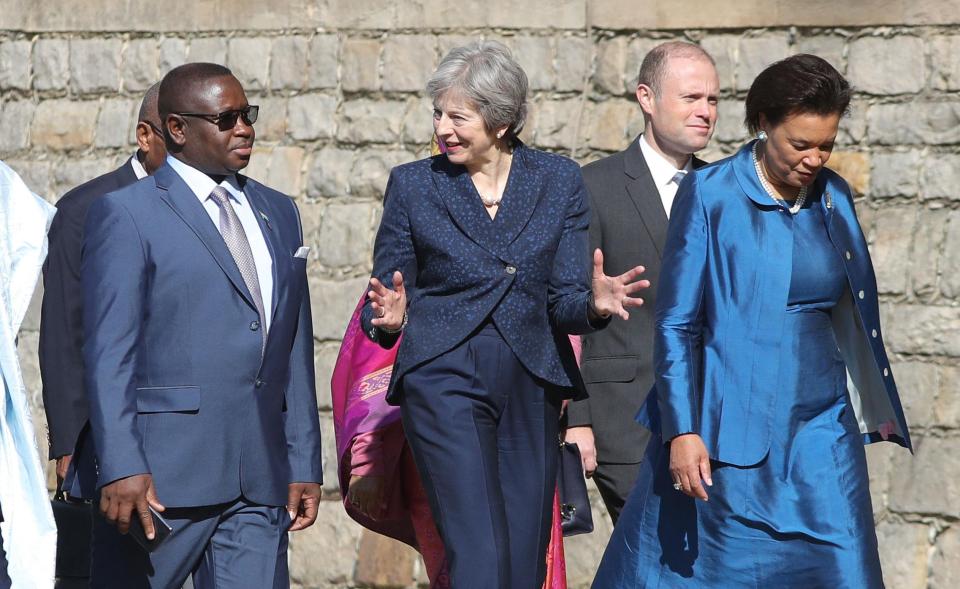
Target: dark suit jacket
x,y
61,333
172,348
630,226
527,269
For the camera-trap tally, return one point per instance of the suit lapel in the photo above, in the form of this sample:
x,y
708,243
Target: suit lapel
x,y
175,192
645,196
460,198
264,213
520,197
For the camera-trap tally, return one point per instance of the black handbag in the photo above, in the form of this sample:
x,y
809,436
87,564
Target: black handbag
x,y
74,532
575,515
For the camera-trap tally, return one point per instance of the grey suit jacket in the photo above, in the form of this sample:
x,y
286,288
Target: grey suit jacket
x,y
629,225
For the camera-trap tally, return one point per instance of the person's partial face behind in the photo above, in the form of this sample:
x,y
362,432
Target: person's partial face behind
x,y
798,147
462,130
216,148
150,143
683,113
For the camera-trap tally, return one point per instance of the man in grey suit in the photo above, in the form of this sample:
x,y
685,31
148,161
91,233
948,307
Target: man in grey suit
x,y
630,197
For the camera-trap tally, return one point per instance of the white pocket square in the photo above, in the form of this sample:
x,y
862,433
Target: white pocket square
x,y
302,252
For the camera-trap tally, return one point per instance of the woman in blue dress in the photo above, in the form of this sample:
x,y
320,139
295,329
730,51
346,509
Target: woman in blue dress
x,y
771,371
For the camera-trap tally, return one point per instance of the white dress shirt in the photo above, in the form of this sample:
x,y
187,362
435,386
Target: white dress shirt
x,y
202,185
663,172
138,168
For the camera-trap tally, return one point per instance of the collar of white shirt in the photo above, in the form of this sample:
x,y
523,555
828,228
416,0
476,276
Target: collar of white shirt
x,y
138,168
202,185
661,168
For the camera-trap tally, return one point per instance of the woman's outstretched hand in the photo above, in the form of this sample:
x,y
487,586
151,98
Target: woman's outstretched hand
x,y
389,306
612,294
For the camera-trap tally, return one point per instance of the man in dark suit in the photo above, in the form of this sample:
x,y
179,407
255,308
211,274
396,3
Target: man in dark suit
x,y
61,356
630,197
198,349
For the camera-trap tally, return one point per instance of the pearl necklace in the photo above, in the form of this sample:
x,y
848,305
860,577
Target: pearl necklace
x,y
801,196
489,202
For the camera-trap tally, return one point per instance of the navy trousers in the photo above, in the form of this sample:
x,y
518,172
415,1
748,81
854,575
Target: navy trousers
x,y
5,582
237,545
483,432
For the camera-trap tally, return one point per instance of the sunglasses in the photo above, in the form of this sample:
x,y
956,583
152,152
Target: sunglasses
x,y
227,119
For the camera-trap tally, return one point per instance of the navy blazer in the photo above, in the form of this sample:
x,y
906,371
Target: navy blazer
x,y
528,269
61,332
177,384
723,287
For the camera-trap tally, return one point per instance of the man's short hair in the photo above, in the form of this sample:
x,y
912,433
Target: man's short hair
x,y
180,83
653,70
149,111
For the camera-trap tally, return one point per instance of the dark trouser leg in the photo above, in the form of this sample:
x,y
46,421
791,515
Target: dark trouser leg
x,y
615,481
5,582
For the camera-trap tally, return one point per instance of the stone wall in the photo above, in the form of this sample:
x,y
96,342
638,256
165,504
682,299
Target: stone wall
x,y
340,88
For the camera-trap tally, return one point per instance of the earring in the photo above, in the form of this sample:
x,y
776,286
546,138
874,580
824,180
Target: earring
x,y
762,135
500,135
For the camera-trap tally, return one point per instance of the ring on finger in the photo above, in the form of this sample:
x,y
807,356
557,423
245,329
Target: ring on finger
x,y
677,486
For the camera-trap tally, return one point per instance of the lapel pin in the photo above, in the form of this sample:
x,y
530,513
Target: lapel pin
x,y
266,220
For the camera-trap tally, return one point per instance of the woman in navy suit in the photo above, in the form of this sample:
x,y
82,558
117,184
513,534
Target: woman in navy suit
x,y
770,370
485,250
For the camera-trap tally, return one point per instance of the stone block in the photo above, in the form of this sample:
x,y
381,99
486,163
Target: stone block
x,y
249,58
384,562
927,247
879,460
140,60
272,121
890,248
950,262
892,65
209,49
333,302
360,65
324,56
259,165
916,123
95,65
557,123
574,61
116,116
35,174
64,124
903,553
15,119
346,234
895,174
730,127
611,124
15,65
829,47
408,62
756,53
947,408
926,330
330,173
366,120
854,166
723,50
51,64
71,172
447,42
918,384
941,176
853,125
535,56
931,467
312,116
324,554
636,51
946,67
288,64
325,358
417,128
371,168
609,75
284,170
945,565
173,53
583,552
331,480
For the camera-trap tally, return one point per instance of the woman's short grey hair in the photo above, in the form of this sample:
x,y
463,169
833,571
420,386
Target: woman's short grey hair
x,y
486,74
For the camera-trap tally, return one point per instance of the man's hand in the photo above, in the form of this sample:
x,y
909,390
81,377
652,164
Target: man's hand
x,y
366,494
582,436
303,502
129,497
689,462
63,465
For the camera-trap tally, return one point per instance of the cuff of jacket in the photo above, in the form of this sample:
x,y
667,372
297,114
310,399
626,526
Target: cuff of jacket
x,y
578,414
112,469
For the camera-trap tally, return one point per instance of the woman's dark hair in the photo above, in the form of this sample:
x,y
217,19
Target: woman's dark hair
x,y
801,83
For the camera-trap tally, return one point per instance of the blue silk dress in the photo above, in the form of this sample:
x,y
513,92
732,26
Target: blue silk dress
x,y
801,517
